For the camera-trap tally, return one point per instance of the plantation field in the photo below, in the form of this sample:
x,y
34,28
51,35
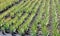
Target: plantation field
x,y
30,17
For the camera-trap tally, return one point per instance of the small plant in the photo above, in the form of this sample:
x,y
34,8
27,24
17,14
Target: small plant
x,y
26,16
